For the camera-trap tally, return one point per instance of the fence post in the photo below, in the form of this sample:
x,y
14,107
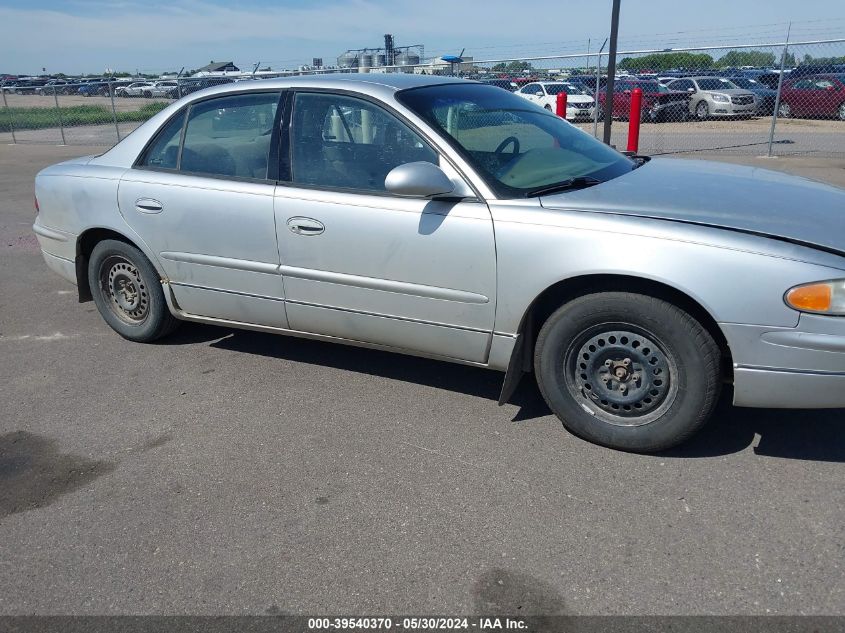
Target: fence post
x,y
59,112
780,86
11,119
611,70
598,88
114,112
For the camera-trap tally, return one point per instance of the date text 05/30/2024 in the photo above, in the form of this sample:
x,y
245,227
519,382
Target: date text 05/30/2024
x,y
417,623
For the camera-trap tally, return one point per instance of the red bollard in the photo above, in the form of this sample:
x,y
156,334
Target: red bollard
x,y
634,120
561,104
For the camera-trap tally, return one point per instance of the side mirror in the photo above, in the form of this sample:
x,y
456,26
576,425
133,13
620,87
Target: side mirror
x,y
690,89
419,179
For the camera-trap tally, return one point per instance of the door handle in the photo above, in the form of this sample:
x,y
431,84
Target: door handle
x,y
305,226
148,205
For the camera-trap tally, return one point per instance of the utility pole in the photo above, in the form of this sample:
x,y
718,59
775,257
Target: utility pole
x,y
611,71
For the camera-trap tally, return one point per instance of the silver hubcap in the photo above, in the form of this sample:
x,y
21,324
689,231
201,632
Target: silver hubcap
x,y
623,376
125,289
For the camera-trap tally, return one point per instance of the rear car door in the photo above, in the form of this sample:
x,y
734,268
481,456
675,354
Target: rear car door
x,y
826,96
201,197
362,264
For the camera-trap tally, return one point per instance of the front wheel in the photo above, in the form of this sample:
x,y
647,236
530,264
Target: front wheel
x,y
128,293
702,111
627,371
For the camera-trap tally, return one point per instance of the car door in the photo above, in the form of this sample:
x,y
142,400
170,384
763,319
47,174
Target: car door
x,y
359,263
201,198
529,91
800,96
684,85
826,96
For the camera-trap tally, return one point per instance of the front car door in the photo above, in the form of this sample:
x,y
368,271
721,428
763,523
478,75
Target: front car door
x,y
826,96
201,198
362,264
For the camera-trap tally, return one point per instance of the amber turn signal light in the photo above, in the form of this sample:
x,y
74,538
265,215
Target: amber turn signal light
x,y
824,297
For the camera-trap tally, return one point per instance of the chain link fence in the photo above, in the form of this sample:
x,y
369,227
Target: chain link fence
x,y
783,98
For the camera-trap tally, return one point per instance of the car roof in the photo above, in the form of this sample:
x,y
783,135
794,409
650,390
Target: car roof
x,y
364,82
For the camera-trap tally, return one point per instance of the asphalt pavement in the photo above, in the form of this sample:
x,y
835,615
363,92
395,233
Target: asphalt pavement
x,y
232,472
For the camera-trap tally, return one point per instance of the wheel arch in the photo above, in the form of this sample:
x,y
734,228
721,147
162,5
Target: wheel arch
x,y
85,244
556,295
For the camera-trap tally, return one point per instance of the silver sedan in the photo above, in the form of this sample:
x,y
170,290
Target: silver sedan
x,y
454,220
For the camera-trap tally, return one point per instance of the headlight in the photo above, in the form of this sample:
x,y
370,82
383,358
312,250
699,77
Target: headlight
x,y
721,98
824,297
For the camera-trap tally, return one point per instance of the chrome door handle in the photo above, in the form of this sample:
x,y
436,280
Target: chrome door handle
x,y
305,226
148,205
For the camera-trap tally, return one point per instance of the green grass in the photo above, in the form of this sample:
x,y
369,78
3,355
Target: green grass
x,y
37,118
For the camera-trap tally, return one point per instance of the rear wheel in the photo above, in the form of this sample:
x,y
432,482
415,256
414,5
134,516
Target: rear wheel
x,y
784,110
627,371
841,111
127,291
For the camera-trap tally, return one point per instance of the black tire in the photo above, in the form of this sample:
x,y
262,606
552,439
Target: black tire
x,y
702,111
668,363
548,107
148,94
127,291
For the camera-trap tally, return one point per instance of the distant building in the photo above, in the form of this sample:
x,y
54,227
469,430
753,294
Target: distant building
x,y
217,68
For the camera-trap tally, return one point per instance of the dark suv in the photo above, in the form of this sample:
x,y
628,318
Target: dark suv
x,y
187,86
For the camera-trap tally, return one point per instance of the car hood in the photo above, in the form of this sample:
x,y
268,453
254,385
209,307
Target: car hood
x,y
579,99
734,92
747,199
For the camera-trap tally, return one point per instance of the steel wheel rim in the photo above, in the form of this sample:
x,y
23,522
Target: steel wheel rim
x,y
607,357
125,290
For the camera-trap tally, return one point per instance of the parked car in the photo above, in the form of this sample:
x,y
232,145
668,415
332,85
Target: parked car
x,y
587,83
96,87
187,86
135,89
659,103
815,96
579,104
28,87
507,84
805,70
168,89
57,86
765,96
523,246
715,97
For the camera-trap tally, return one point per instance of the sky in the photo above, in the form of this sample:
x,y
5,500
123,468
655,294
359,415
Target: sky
x,y
90,36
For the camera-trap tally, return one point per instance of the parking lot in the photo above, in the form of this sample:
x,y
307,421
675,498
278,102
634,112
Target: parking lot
x,y
233,472
809,137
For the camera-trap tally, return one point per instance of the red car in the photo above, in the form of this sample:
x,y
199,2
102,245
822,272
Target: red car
x,y
659,103
815,96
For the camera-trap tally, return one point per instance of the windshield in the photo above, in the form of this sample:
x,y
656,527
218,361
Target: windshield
x,y
571,89
742,82
516,146
715,83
